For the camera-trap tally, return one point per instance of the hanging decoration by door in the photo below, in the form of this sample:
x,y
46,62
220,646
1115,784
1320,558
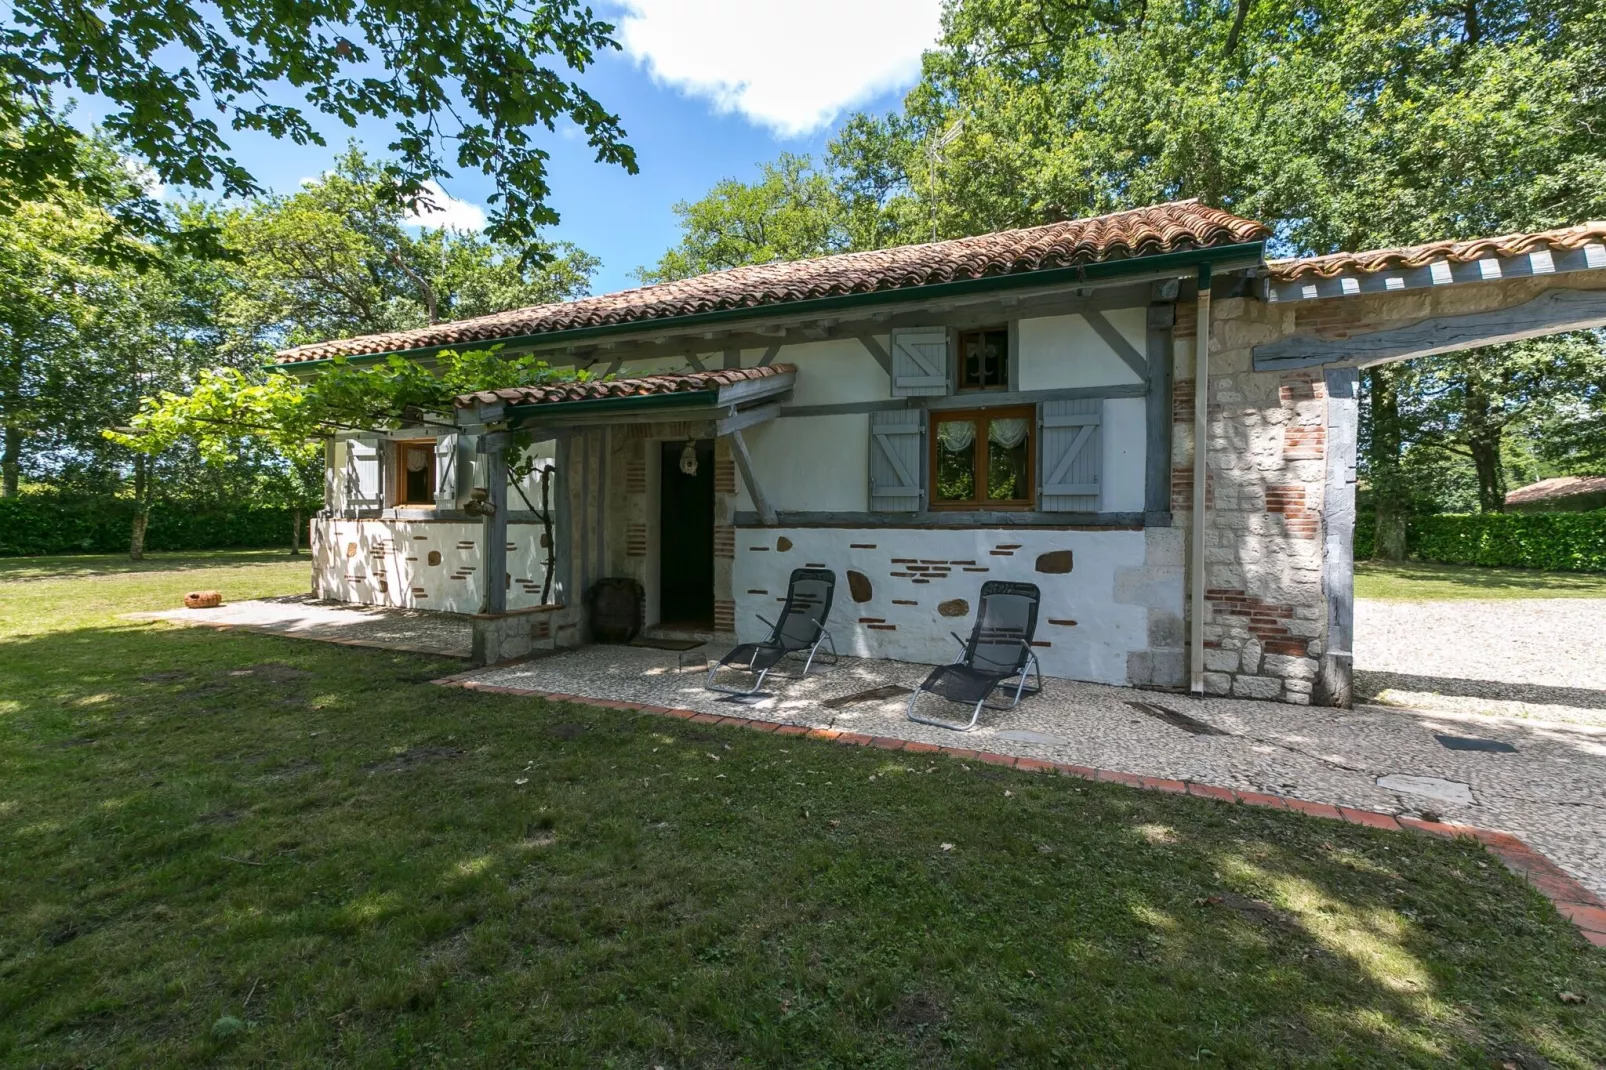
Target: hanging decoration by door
x,y
688,458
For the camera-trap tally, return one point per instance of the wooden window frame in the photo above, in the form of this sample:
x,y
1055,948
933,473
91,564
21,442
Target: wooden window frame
x,y
399,498
982,417
1007,363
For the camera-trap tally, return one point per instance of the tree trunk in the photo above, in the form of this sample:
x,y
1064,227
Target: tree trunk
x,y
1485,431
295,533
1389,496
11,463
142,509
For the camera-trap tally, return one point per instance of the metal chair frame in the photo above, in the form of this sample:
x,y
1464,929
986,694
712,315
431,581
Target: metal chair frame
x,y
1026,665
774,641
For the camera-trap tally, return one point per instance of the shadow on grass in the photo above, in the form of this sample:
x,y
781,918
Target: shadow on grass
x,y
1400,580
71,566
363,867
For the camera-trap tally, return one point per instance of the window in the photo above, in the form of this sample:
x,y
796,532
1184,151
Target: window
x,y
984,359
982,459
415,467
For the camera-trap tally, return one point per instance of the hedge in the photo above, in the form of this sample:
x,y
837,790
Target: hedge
x,y
1568,542
46,524
1563,542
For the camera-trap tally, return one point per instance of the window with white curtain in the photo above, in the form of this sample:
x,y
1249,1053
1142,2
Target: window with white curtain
x,y
982,459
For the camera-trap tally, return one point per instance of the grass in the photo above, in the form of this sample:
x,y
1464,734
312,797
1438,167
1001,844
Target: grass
x,y
65,566
1416,581
222,847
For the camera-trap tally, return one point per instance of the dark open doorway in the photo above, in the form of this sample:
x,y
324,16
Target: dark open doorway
x,y
686,537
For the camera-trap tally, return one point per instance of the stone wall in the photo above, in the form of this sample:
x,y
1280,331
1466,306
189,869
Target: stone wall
x,y
1267,608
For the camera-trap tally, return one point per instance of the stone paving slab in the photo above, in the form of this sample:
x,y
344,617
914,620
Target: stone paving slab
x,y
304,617
1551,792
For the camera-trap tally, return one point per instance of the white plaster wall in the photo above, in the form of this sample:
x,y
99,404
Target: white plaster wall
x,y
1059,352
1125,444
829,373
1094,648
386,563
811,463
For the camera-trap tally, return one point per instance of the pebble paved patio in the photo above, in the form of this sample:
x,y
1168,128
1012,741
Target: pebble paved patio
x,y
304,617
1550,790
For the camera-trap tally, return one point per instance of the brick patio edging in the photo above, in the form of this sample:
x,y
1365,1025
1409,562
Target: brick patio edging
x,y
1577,903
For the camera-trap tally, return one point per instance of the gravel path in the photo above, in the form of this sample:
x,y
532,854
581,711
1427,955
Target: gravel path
x,y
1539,658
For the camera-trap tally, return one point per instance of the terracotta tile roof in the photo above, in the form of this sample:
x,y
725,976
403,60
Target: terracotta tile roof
x,y
1163,228
593,389
1456,252
1559,487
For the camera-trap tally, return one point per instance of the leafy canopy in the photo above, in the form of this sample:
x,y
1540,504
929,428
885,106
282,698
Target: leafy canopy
x,y
293,414
464,83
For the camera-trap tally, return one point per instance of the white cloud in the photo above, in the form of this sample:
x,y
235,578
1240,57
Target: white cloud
x,y
793,67
448,211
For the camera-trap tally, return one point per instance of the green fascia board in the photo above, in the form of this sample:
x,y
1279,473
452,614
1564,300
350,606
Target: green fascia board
x,y
682,399
1106,269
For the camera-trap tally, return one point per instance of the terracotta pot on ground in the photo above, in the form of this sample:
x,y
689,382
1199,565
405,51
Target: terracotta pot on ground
x,y
203,599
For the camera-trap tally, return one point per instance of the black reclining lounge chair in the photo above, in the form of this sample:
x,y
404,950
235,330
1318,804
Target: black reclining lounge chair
x,y
999,651
799,629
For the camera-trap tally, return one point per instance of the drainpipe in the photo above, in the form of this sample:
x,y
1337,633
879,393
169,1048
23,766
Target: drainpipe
x,y
1201,427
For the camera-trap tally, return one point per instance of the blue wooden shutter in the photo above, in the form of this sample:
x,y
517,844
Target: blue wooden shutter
x,y
365,489
1070,456
920,362
897,441
446,472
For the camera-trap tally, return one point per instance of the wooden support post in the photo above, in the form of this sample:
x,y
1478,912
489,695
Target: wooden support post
x,y
1335,686
1201,450
1162,320
493,535
744,465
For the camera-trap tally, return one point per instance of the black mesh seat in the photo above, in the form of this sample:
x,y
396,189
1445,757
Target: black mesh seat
x,y
998,655
800,629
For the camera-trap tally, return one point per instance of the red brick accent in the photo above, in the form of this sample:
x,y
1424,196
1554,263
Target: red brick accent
x,y
1266,619
1368,817
1304,443
1582,907
724,615
1182,401
1335,319
1182,488
1288,502
725,541
1187,325
724,474
1301,386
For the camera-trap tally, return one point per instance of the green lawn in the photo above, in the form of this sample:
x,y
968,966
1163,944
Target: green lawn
x,y
1417,581
227,847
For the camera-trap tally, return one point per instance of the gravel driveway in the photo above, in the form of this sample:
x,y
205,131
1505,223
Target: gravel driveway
x,y
1531,658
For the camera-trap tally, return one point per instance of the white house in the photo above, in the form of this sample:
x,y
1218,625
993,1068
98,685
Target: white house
x,y
1019,405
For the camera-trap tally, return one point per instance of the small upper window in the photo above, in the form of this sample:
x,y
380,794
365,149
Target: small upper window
x,y
415,463
984,359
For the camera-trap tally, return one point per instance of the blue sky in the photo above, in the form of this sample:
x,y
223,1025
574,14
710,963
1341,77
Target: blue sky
x,y
706,89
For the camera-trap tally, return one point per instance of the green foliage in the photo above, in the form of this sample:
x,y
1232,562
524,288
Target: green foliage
x,y
463,83
792,212
338,258
55,524
1564,542
292,414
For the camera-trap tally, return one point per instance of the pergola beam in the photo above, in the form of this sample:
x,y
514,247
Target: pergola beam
x,y
1552,312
